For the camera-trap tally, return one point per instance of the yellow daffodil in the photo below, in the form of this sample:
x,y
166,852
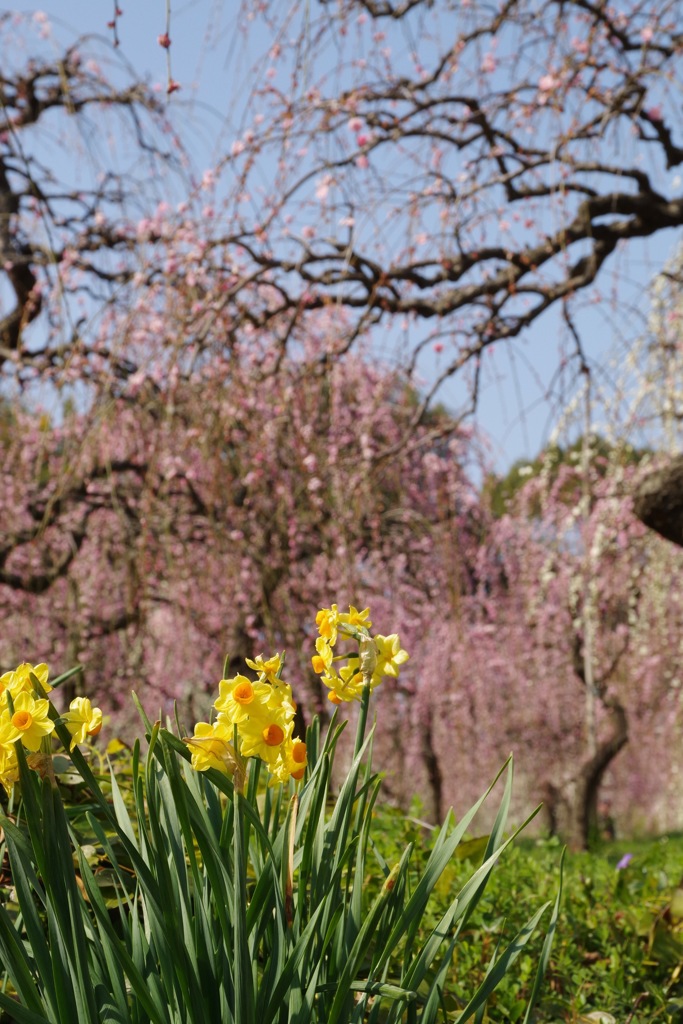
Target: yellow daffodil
x,y
261,713
281,703
322,661
327,621
267,668
355,618
211,747
9,768
30,718
41,673
82,720
239,697
19,680
264,738
8,733
296,759
390,655
291,763
345,685
6,681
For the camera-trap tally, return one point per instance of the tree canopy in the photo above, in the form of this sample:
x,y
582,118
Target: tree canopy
x,y
462,169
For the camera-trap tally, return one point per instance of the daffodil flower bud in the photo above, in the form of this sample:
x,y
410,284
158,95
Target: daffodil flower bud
x,y
367,650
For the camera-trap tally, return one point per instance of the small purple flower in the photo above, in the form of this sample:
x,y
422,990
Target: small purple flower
x,y
624,862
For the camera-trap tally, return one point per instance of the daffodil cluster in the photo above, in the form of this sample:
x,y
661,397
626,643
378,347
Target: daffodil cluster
x,y
378,655
26,717
254,718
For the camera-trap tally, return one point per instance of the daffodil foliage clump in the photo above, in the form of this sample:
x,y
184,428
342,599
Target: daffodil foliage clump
x,y
234,886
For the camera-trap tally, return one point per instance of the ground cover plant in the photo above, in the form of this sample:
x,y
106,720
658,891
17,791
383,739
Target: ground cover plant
x,y
618,949
238,885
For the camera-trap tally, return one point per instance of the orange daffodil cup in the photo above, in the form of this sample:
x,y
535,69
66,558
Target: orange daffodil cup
x,y
25,716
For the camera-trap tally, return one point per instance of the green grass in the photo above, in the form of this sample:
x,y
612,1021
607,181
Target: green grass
x,y
619,944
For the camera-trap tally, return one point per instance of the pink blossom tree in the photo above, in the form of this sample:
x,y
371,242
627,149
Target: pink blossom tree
x,y
514,657
452,171
223,449
156,532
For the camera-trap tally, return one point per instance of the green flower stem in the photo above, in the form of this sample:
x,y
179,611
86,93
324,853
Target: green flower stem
x,y
362,718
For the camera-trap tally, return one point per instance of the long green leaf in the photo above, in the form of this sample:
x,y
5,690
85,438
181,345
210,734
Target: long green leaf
x,y
442,852
502,965
20,1014
363,940
244,987
27,887
115,947
69,907
547,946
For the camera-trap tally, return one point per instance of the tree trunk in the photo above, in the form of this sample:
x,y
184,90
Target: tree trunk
x,y
581,794
431,763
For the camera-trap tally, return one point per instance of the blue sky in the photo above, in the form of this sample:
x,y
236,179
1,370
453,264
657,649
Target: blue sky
x,y
522,391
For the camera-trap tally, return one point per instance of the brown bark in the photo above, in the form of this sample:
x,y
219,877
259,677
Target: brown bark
x,y
572,805
431,763
584,817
